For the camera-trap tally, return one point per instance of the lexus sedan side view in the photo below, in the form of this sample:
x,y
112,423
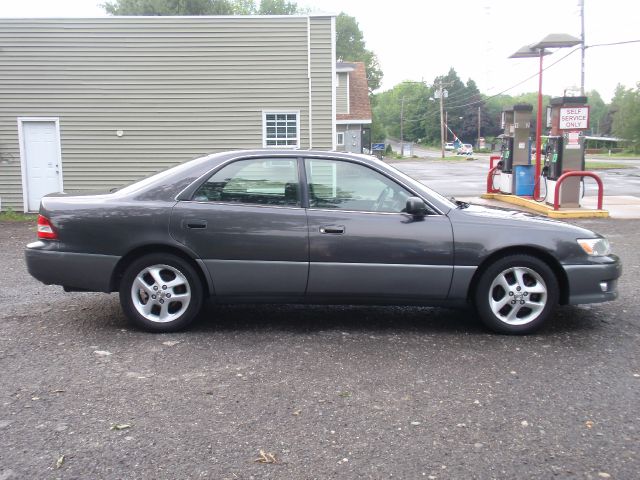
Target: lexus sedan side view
x,y
312,227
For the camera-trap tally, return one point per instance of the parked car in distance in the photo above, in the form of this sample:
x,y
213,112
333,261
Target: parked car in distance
x,y
312,227
465,149
449,146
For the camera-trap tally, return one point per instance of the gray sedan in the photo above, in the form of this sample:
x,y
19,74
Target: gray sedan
x,y
312,227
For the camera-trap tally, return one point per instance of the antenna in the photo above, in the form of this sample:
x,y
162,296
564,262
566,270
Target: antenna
x,y
582,46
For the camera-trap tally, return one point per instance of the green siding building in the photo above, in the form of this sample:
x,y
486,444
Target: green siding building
x,y
91,104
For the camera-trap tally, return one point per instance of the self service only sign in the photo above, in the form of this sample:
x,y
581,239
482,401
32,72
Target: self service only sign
x,y
574,118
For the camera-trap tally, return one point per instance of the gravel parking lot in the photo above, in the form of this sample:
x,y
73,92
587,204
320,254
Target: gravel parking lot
x,y
324,392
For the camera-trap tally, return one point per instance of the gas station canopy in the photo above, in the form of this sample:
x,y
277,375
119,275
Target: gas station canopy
x,y
553,40
528,51
557,40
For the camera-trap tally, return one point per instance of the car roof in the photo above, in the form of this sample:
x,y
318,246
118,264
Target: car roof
x,y
169,183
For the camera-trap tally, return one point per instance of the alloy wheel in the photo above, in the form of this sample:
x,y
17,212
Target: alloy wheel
x,y
518,295
160,293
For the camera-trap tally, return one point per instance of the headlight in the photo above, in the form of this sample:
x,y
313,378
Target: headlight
x,y
596,247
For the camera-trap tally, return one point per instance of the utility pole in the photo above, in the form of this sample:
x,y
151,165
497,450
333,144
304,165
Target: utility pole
x,y
441,91
446,124
402,128
582,47
479,122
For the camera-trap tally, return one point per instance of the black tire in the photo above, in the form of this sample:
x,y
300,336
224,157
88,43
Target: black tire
x,y
180,303
522,298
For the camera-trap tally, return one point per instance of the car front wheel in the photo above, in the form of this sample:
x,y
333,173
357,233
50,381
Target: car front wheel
x,y
160,292
516,294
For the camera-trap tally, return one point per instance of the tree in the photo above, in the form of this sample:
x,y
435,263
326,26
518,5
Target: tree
x,y
244,7
495,106
350,46
200,7
598,111
471,101
169,7
277,7
421,116
626,116
407,103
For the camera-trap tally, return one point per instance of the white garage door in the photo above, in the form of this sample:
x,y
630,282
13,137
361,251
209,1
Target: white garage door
x,y
41,160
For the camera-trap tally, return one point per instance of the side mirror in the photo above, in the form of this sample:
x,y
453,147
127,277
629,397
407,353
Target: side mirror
x,y
416,206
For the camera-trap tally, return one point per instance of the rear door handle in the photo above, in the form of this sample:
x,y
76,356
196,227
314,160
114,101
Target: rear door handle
x,y
332,229
194,224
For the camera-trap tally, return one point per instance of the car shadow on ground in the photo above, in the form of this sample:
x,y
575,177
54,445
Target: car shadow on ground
x,y
92,312
351,318
371,319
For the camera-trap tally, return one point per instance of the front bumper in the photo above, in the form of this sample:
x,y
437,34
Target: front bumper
x,y
82,271
593,283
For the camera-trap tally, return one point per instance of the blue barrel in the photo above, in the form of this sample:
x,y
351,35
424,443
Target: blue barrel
x,y
524,179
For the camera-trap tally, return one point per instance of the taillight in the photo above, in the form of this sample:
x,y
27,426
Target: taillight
x,y
45,229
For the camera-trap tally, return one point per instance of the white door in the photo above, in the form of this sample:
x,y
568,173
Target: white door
x,y
41,161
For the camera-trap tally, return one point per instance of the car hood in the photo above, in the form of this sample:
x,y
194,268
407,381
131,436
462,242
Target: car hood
x,y
515,218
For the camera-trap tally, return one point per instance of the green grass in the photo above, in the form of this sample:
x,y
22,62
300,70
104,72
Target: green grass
x,y
625,154
447,158
605,166
454,158
11,216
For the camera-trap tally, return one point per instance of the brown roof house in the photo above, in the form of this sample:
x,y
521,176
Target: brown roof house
x,y
353,110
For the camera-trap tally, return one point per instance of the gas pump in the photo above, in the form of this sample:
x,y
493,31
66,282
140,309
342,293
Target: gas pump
x,y
517,176
569,118
506,155
506,151
553,153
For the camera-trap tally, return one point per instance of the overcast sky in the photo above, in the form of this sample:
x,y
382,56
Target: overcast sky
x,y
419,40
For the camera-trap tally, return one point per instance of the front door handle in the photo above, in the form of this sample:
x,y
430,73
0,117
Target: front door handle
x,y
194,224
332,229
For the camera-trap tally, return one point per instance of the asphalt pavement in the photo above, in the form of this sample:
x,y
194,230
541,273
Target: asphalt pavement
x,y
469,177
324,392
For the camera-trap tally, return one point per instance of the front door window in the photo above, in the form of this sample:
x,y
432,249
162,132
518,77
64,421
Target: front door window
x,y
344,185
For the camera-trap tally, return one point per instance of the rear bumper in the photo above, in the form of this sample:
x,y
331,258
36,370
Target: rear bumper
x,y
593,283
82,271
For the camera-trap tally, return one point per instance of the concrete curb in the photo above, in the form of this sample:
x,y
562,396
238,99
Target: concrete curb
x,y
546,209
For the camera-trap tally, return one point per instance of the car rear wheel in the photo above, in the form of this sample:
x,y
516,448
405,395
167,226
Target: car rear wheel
x,y
516,294
160,292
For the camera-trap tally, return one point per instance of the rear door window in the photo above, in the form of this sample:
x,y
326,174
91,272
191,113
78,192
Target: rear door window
x,y
253,182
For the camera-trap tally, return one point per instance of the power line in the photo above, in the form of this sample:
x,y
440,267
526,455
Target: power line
x,y
612,43
461,101
432,114
528,78
455,107
462,98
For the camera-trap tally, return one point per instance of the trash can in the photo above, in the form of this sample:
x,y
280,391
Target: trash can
x,y
524,179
